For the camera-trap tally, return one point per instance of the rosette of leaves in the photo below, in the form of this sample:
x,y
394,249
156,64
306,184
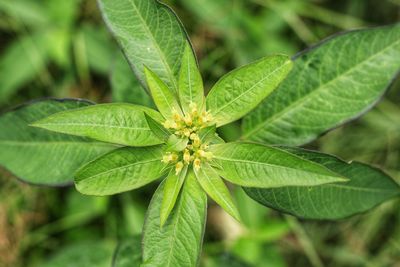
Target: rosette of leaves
x,y
179,142
113,148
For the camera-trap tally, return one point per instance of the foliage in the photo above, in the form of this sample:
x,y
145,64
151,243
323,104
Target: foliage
x,y
107,149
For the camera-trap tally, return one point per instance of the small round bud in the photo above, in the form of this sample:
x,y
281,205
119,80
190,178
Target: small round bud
x,y
178,167
186,156
196,164
174,157
186,132
188,120
194,136
196,143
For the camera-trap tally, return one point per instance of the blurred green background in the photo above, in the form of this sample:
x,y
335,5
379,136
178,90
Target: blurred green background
x,y
58,48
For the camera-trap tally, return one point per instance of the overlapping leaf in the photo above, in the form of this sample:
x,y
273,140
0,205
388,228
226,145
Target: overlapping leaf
x,y
241,90
367,188
335,81
123,124
150,34
39,156
120,170
178,242
210,181
256,165
172,187
164,98
190,82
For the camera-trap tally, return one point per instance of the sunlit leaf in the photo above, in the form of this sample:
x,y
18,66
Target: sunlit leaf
x,y
150,35
172,187
331,83
210,181
241,90
256,165
120,170
190,82
123,124
178,242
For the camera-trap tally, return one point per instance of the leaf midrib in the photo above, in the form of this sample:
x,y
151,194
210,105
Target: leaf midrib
x,y
92,125
271,165
41,143
353,188
303,99
163,59
173,236
118,168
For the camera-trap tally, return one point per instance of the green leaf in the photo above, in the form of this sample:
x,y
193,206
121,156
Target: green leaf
x,y
120,170
207,134
118,123
164,99
178,242
41,157
128,253
367,188
126,87
337,80
158,130
241,90
210,181
256,165
190,82
88,254
172,187
150,35
176,143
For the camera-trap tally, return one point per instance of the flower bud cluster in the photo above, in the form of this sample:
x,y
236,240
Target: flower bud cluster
x,y
188,126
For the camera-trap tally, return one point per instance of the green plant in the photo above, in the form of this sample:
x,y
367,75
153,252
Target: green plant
x,y
112,148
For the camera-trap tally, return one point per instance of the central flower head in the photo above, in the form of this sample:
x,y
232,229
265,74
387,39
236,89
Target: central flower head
x,y
188,127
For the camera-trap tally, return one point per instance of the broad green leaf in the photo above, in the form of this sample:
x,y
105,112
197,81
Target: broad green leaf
x,y
117,123
128,253
150,35
88,254
178,242
256,165
367,188
210,181
335,81
21,62
176,143
120,170
190,82
158,130
164,98
126,87
207,134
172,187
241,90
41,157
